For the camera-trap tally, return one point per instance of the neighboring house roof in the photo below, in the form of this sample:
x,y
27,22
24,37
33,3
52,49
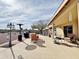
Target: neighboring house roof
x,y
35,29
58,10
45,28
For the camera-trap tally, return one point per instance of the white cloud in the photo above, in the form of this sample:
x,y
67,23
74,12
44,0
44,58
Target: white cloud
x,y
13,5
8,1
26,11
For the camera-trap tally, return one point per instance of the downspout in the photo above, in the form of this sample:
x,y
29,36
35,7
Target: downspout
x,y
78,15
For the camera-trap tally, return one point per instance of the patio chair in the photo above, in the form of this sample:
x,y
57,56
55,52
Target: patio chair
x,y
72,37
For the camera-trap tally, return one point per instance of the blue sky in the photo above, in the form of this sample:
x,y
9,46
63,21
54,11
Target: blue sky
x,y
26,12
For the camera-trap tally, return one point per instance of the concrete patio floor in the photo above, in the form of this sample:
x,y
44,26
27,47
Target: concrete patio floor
x,y
43,49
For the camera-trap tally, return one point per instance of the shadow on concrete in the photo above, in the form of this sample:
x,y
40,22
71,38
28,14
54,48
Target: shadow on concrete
x,y
20,57
29,47
12,53
24,42
66,44
14,57
40,43
6,45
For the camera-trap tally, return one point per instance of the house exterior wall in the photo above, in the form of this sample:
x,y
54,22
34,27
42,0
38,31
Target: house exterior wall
x,y
67,16
78,14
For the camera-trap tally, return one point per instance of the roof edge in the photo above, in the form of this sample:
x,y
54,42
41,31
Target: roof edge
x,y
58,10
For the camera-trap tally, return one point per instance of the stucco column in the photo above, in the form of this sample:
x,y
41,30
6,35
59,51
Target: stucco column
x,y
52,31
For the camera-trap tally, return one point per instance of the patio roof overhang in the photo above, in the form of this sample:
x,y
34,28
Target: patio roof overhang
x,y
58,10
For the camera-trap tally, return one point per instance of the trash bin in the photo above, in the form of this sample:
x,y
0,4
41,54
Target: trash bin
x,y
19,37
26,35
